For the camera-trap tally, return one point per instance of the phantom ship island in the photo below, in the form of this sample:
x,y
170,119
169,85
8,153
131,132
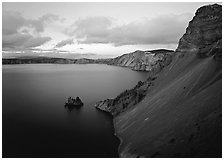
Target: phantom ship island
x,y
77,102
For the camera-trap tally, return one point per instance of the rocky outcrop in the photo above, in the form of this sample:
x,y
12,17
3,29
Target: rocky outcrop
x,y
180,115
203,32
125,100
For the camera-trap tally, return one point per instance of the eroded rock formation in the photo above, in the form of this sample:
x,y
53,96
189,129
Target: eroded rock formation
x,y
204,31
153,60
125,100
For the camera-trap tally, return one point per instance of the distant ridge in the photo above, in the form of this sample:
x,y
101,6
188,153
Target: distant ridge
x,y
138,60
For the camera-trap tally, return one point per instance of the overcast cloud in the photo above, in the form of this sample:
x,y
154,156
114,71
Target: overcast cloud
x,y
101,28
64,42
163,29
20,33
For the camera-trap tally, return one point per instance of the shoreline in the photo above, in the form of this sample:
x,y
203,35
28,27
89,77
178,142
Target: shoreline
x,y
120,139
114,130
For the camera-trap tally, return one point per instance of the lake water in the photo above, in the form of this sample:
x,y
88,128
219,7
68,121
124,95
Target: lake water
x,y
35,122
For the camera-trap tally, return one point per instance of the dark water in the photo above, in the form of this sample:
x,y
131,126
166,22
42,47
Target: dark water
x,y
35,121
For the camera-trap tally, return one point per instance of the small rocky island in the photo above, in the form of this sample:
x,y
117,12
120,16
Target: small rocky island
x,y
77,102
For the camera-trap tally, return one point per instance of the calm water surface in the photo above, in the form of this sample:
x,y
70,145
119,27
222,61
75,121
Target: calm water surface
x,y
35,121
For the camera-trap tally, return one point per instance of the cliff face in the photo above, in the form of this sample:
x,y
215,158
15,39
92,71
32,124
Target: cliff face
x,y
180,115
153,60
204,31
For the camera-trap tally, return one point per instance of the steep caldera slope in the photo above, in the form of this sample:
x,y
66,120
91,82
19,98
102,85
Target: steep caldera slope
x,y
181,113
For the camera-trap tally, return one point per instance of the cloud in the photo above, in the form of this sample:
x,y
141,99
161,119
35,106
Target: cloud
x,y
64,42
11,21
91,27
22,41
21,33
163,29
36,41
45,19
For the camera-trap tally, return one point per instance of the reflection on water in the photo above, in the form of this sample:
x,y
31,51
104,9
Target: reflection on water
x,y
71,108
35,121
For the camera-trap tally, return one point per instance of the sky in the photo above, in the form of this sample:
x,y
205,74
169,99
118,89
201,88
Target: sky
x,y
101,29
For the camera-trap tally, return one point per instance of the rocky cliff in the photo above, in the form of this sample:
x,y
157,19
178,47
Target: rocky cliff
x,y
153,60
180,115
204,32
